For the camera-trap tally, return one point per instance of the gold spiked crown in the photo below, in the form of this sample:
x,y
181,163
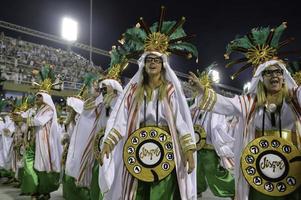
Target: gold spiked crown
x,y
166,37
257,47
47,77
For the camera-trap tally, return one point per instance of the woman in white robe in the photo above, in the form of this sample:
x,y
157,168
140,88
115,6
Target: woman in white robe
x,y
210,173
7,129
81,163
129,114
47,145
251,111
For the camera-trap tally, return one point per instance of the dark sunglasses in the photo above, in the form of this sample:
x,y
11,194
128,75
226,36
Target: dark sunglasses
x,y
156,60
269,73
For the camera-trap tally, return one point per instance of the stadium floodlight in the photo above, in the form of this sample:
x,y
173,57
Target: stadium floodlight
x,y
246,87
69,29
214,76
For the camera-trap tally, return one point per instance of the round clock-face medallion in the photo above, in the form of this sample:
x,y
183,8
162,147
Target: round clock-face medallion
x,y
200,136
272,165
148,154
97,144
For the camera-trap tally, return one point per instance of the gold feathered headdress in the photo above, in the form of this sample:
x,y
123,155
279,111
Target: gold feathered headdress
x,y
257,47
165,37
46,79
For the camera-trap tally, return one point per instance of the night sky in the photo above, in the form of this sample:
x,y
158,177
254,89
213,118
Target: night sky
x,y
215,22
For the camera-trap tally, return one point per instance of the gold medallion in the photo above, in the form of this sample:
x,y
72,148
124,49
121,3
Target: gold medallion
x,y
200,136
148,154
97,144
271,165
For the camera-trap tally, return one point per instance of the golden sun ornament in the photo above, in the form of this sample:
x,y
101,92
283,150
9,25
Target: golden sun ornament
x,y
260,54
46,85
156,42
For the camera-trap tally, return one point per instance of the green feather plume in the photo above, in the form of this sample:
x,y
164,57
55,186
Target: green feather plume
x,y
185,46
3,103
277,34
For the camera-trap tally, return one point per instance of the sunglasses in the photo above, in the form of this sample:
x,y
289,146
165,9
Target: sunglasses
x,y
269,73
156,60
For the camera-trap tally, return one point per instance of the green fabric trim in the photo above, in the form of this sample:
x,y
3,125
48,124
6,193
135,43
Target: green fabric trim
x,y
211,174
48,182
166,189
29,183
20,174
5,173
95,191
71,192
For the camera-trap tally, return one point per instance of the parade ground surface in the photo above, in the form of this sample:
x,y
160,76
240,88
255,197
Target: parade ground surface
x,y
9,192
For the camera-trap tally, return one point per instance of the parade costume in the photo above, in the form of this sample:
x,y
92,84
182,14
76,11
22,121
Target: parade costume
x,y
76,104
267,133
6,127
20,106
30,180
7,132
73,145
81,163
160,112
212,142
48,148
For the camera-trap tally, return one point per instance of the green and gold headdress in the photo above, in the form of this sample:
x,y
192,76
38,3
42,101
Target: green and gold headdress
x,y
257,47
165,37
119,62
89,78
23,104
294,68
46,79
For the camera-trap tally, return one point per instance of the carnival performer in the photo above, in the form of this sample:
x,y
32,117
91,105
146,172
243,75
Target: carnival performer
x,y
153,100
7,131
85,126
269,119
213,141
81,162
74,109
47,138
18,139
29,179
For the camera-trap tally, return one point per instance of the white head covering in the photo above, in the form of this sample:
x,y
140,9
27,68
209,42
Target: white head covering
x,y
48,100
290,82
75,103
113,83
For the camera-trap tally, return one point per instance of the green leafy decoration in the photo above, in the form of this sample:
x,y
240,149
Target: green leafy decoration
x,y
89,78
166,27
186,47
277,34
3,103
260,35
134,39
117,55
242,42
